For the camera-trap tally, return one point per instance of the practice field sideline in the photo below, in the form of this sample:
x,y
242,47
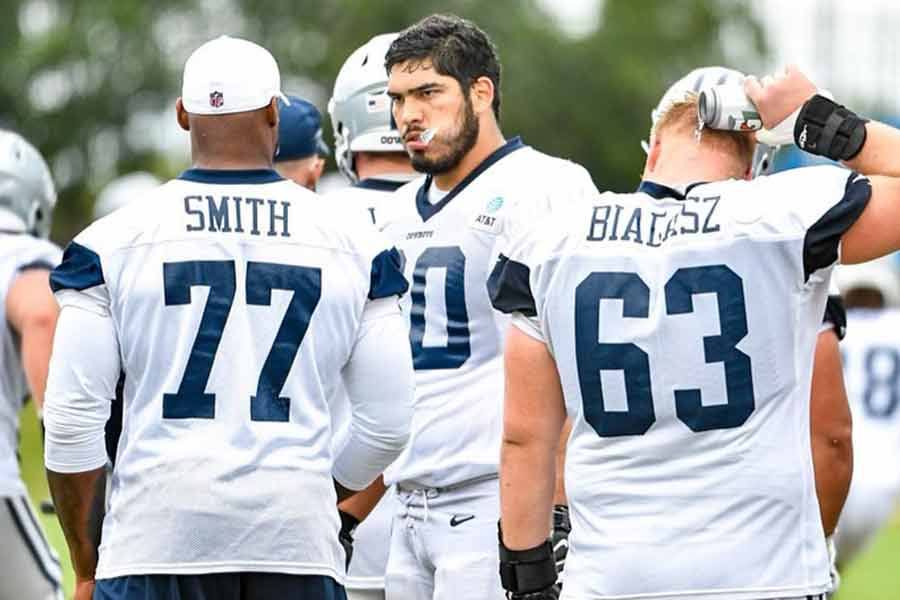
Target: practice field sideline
x,y
875,576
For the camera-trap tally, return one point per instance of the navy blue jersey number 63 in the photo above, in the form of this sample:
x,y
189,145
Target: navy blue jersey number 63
x,y
593,356
191,401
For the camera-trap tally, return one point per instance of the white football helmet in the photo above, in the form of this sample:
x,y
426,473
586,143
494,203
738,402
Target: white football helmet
x,y
27,193
123,190
360,108
695,82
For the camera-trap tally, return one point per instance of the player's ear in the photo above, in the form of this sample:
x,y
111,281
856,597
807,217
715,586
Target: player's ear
x,y
181,115
653,153
272,113
481,94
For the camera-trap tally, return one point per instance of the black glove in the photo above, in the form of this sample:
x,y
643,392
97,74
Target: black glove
x,y
345,536
560,536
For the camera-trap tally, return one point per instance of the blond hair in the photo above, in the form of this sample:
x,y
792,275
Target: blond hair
x,y
681,117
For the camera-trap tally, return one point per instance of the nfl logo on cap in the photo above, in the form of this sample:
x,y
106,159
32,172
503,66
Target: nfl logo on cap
x,y
247,71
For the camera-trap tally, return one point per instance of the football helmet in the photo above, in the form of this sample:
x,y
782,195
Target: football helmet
x,y
123,190
360,108
27,193
696,81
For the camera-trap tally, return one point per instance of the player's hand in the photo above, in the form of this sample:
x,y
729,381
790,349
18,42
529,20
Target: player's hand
x,y
560,537
84,590
345,536
780,96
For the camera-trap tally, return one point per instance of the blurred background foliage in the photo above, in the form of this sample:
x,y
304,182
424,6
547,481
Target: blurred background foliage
x,y
92,82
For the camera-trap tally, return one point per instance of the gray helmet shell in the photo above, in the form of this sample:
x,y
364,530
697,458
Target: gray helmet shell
x,y
360,108
27,193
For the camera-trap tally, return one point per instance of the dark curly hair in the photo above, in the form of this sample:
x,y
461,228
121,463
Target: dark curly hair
x,y
456,47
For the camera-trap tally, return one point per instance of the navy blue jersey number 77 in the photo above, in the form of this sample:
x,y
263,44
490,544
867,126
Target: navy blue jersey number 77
x,y
593,356
191,401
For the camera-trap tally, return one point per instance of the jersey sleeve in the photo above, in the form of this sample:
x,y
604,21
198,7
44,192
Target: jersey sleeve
x,y
512,283
835,316
823,202
79,280
38,255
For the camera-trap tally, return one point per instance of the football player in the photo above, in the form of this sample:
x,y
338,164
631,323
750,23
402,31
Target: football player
x,y
831,422
235,302
676,327
301,151
367,146
370,155
872,370
28,315
478,190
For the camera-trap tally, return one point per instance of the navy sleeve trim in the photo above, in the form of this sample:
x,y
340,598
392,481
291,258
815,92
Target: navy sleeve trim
x,y
836,316
820,247
387,275
42,265
80,269
509,287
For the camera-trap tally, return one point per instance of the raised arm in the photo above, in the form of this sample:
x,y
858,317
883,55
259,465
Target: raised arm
x,y
825,128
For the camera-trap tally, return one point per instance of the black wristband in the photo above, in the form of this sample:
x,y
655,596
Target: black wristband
x,y
826,128
527,571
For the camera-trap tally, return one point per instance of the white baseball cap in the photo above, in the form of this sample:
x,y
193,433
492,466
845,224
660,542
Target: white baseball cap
x,y
229,75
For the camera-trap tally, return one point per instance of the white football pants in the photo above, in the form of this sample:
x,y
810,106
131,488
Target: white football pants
x,y
444,544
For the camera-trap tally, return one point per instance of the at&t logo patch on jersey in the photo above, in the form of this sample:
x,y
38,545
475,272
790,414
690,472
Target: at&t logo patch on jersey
x,y
488,220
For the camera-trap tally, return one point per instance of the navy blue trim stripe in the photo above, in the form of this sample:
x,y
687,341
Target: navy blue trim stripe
x,y
79,270
26,508
660,191
43,265
836,316
427,209
387,277
30,544
820,246
380,185
509,287
231,176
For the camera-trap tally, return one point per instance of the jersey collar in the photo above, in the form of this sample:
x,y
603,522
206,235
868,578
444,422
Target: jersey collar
x,y
427,209
380,185
231,176
659,191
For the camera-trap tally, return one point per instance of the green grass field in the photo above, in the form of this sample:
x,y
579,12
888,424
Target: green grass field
x,y
874,576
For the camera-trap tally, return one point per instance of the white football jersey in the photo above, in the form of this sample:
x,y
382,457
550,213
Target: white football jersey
x,y
372,537
456,338
683,327
236,298
871,356
17,253
374,196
